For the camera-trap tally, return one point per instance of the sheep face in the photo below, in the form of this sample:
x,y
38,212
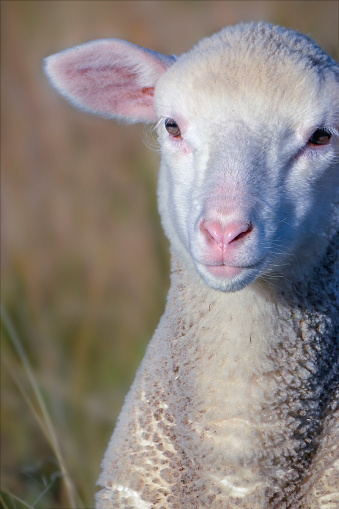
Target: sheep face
x,y
248,128
248,184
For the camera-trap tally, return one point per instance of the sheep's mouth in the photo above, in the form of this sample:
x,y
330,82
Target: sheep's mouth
x,y
230,271
229,278
227,271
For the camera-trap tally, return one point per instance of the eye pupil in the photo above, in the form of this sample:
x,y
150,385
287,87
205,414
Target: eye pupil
x,y
172,127
320,137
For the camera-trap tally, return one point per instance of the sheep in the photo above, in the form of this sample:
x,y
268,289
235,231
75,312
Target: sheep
x,y
235,403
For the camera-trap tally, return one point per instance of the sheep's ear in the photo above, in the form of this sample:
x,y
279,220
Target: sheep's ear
x,y
109,77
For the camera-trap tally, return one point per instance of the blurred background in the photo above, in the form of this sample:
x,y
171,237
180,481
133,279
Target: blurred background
x,y
84,262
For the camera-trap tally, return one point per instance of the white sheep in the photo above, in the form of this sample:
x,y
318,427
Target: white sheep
x,y
234,404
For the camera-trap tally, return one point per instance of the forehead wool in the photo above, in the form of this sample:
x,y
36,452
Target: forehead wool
x,y
261,65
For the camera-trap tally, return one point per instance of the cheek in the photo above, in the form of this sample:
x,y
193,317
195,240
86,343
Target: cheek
x,y
181,182
182,190
175,187
303,190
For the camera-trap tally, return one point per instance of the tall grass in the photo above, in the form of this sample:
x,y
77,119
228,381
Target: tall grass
x,y
38,408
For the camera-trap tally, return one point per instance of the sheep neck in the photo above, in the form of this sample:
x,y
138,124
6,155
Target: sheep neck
x,y
231,397
249,369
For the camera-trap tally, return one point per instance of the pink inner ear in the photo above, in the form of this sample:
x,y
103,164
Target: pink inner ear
x,y
112,78
110,89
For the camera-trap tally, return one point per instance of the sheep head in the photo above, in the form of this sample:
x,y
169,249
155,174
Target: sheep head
x,y
248,125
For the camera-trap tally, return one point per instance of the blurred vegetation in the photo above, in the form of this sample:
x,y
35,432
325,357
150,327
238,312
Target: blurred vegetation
x,y
84,265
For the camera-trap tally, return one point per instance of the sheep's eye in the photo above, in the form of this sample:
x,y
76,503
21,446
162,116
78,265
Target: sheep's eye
x,y
172,127
320,137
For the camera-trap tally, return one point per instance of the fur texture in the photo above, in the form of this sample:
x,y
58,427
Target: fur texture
x,y
235,404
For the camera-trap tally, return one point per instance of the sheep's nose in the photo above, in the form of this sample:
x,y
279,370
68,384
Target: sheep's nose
x,y
224,235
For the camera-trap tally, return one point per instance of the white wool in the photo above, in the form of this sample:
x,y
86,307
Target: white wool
x,y
235,404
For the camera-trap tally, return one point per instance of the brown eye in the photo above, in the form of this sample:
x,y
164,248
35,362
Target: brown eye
x,y
172,127
320,137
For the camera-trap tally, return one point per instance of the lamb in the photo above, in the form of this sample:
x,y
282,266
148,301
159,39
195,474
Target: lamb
x,y
235,404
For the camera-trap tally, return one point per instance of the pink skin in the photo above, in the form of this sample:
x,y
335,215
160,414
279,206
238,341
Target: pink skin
x,y
221,242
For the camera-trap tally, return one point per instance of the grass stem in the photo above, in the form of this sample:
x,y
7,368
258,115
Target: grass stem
x,y
47,426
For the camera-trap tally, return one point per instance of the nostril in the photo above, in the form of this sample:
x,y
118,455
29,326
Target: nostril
x,y
242,234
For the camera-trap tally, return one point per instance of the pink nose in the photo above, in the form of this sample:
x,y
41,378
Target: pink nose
x,y
223,236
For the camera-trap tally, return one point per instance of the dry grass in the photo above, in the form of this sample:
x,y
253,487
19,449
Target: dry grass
x,y
84,262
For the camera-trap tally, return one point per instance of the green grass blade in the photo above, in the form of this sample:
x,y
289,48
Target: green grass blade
x,y
48,425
